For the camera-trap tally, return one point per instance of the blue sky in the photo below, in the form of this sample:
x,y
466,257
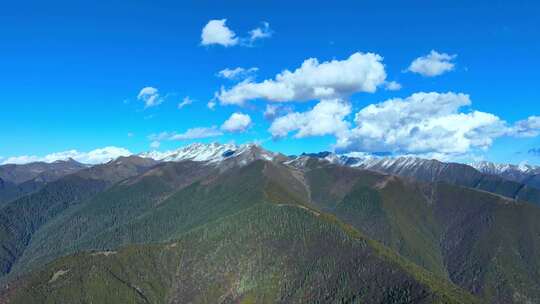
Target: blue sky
x,y
71,73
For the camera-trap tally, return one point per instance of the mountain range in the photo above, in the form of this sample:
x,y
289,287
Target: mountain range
x,y
516,182
19,180
221,223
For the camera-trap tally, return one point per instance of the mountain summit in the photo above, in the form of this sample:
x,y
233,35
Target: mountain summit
x,y
213,153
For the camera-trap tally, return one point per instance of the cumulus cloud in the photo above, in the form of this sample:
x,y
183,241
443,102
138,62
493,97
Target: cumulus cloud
x,y
361,72
392,86
217,32
185,101
422,123
192,133
238,73
433,64
97,156
155,144
529,127
327,117
150,96
238,122
260,32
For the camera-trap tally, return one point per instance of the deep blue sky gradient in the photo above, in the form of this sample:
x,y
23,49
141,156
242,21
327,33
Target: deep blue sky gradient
x,y
70,70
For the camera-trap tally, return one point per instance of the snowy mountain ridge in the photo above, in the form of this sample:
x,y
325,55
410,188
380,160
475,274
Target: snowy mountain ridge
x,y
494,168
211,153
217,152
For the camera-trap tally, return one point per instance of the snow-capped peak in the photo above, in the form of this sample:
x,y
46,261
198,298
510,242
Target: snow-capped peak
x,y
373,162
202,152
211,153
524,167
494,168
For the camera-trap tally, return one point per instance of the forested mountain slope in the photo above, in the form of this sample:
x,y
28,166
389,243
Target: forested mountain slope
x,y
267,229
21,218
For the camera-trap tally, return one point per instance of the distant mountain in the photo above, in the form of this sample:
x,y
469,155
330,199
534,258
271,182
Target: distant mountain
x,y
431,170
213,153
239,224
515,172
42,171
19,180
409,166
523,173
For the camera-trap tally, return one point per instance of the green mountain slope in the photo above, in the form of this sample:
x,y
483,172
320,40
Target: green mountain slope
x,y
148,209
384,207
20,219
491,244
10,191
264,254
23,217
482,242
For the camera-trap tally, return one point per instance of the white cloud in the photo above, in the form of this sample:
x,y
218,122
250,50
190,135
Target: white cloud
x,y
237,73
529,127
155,144
217,32
433,64
130,134
96,156
260,32
192,133
271,111
238,122
23,159
327,117
150,97
211,105
422,123
185,101
274,110
361,72
196,133
392,86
